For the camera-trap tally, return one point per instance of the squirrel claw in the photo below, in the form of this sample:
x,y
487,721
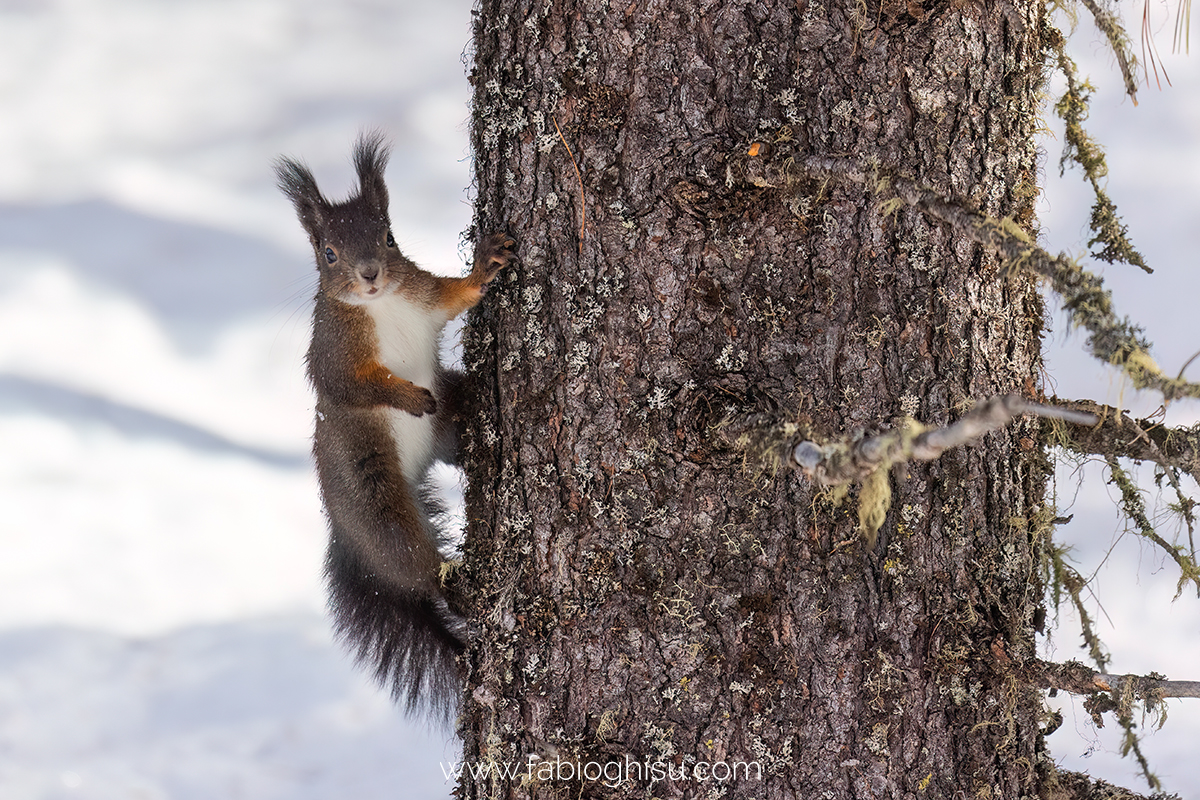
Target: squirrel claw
x,y
425,403
494,254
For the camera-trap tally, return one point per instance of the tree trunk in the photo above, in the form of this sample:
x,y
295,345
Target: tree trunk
x,y
654,617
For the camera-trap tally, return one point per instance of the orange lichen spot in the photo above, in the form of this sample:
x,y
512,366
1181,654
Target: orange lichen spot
x,y
755,149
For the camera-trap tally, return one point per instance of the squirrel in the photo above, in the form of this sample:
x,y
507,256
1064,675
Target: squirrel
x,y
385,410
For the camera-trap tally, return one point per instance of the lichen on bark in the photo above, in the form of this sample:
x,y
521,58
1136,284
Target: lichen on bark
x,y
638,593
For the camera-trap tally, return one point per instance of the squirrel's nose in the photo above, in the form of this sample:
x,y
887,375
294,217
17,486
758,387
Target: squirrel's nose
x,y
369,274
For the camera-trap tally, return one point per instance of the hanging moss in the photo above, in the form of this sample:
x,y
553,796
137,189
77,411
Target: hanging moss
x,y
1110,234
1135,511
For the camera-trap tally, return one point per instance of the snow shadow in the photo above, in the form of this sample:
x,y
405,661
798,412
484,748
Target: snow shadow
x,y
264,708
19,394
196,279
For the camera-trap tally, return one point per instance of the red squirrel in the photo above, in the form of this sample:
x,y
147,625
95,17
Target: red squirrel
x,y
385,410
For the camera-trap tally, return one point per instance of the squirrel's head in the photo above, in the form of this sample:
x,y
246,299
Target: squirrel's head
x,y
356,254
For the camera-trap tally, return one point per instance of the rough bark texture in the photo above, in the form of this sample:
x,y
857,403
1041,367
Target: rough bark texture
x,y
641,596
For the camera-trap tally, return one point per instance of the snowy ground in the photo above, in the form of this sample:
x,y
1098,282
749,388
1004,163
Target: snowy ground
x,y
161,627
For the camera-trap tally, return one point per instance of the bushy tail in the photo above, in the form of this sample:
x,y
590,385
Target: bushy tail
x,y
409,639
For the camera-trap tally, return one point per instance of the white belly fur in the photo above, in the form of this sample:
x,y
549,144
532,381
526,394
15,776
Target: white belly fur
x,y
408,346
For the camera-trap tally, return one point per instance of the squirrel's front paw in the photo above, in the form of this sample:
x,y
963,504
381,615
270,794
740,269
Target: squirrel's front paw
x,y
422,402
493,254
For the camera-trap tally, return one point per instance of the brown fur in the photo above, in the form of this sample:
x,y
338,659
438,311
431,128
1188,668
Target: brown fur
x,y
384,558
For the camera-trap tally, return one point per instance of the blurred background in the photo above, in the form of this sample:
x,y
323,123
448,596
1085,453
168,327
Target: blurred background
x,y
161,612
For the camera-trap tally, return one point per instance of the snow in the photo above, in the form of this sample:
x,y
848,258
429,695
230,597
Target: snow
x,y
254,708
162,632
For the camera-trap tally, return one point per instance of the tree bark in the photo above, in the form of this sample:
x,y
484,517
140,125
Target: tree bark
x,y
641,596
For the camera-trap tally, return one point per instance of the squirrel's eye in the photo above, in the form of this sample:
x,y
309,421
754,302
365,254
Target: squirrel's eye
x,y
391,240
330,256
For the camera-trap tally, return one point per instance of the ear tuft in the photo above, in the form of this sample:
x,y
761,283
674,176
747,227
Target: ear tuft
x,y
297,182
370,159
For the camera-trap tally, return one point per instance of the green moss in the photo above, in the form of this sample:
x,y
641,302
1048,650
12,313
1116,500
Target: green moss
x,y
1134,509
1109,233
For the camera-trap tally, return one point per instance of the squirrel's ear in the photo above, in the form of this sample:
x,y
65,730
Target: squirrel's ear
x,y
370,159
297,182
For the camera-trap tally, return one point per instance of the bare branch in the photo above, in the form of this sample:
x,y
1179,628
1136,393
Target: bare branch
x,y
1116,434
1144,684
1077,678
1077,786
859,458
1119,694
841,462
